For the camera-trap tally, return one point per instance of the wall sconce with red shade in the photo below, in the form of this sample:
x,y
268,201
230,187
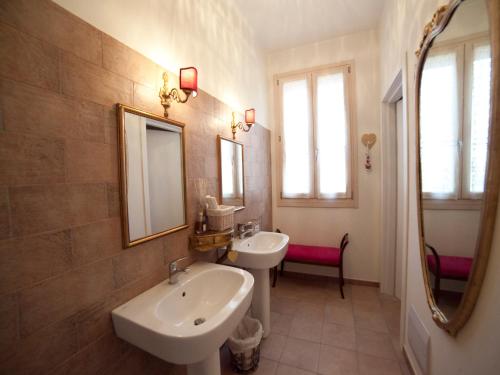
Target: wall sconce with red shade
x,y
249,121
188,83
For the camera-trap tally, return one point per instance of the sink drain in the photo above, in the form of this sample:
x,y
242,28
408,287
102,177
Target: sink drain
x,y
199,321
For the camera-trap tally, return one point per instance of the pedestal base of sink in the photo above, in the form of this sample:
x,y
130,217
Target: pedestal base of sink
x,y
261,301
209,366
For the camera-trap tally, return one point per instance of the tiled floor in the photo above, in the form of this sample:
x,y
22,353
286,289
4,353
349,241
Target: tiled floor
x,y
314,331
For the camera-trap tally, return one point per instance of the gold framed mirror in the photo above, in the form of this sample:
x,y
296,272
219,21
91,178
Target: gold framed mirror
x,y
458,154
231,173
152,175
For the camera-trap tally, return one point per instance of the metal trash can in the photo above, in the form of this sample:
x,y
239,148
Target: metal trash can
x,y
244,345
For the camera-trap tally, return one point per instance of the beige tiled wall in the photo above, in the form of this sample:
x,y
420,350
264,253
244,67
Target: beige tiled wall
x,y
62,266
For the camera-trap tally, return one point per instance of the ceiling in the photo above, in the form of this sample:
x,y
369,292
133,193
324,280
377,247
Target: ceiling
x,y
280,24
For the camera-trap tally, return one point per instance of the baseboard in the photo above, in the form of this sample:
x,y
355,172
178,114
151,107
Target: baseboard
x,y
308,276
407,360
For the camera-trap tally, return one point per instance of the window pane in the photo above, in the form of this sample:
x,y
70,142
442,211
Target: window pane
x,y
296,139
480,117
332,135
439,125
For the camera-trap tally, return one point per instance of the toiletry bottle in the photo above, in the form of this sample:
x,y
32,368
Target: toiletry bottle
x,y
205,220
199,223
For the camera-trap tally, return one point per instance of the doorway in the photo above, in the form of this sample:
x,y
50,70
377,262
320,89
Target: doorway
x,y
400,221
394,196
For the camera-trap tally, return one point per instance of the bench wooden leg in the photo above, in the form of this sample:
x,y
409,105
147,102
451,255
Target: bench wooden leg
x,y
437,289
275,275
341,280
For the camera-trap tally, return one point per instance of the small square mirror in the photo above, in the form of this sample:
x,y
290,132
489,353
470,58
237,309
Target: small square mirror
x,y
231,173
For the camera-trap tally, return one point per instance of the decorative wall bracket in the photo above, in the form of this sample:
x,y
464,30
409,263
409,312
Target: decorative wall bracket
x,y
188,79
249,121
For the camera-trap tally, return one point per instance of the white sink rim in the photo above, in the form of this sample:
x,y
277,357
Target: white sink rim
x,y
249,258
137,321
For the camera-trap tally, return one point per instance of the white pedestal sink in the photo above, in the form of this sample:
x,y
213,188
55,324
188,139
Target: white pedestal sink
x,y
259,253
186,323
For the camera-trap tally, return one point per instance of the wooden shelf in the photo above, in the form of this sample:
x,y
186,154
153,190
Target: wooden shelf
x,y
211,240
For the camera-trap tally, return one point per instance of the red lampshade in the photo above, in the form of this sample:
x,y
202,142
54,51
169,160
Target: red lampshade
x,y
250,116
188,78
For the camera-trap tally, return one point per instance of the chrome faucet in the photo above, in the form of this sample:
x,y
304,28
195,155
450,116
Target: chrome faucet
x,y
174,270
245,229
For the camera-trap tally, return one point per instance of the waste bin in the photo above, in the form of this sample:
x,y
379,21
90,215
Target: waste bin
x,y
244,345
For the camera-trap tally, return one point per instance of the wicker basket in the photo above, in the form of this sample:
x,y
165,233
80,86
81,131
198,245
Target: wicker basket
x,y
247,362
220,218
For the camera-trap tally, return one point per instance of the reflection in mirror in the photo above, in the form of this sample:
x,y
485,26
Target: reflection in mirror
x,y
231,173
152,167
454,124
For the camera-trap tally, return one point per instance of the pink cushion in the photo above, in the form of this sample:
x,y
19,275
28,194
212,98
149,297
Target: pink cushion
x,y
456,267
313,254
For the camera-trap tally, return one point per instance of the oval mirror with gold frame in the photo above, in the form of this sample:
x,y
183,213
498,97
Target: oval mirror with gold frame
x,y
458,154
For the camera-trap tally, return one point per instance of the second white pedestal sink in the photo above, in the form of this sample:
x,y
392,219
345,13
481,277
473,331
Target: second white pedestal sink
x,y
186,323
259,253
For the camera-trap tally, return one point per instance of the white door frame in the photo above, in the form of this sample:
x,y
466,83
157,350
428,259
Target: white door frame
x,y
389,185
388,265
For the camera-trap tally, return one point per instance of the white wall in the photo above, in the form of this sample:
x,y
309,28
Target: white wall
x,y
475,349
452,232
210,35
469,19
325,226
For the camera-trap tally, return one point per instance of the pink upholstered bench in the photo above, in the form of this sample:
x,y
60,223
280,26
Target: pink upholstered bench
x,y
318,255
447,267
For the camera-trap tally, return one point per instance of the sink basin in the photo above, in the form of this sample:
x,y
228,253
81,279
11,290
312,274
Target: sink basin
x,y
187,322
263,250
259,253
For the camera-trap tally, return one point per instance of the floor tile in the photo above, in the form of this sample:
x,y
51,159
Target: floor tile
x,y
272,346
403,364
284,305
336,361
370,365
365,293
374,343
306,328
365,322
391,310
339,314
280,323
310,310
301,354
372,321
287,370
266,367
367,306
339,335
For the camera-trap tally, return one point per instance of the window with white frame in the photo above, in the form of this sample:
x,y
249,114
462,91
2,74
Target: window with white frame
x,y
454,120
314,111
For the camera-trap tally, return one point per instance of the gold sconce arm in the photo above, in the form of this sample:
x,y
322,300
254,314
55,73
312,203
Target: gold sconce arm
x,y
243,126
167,96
